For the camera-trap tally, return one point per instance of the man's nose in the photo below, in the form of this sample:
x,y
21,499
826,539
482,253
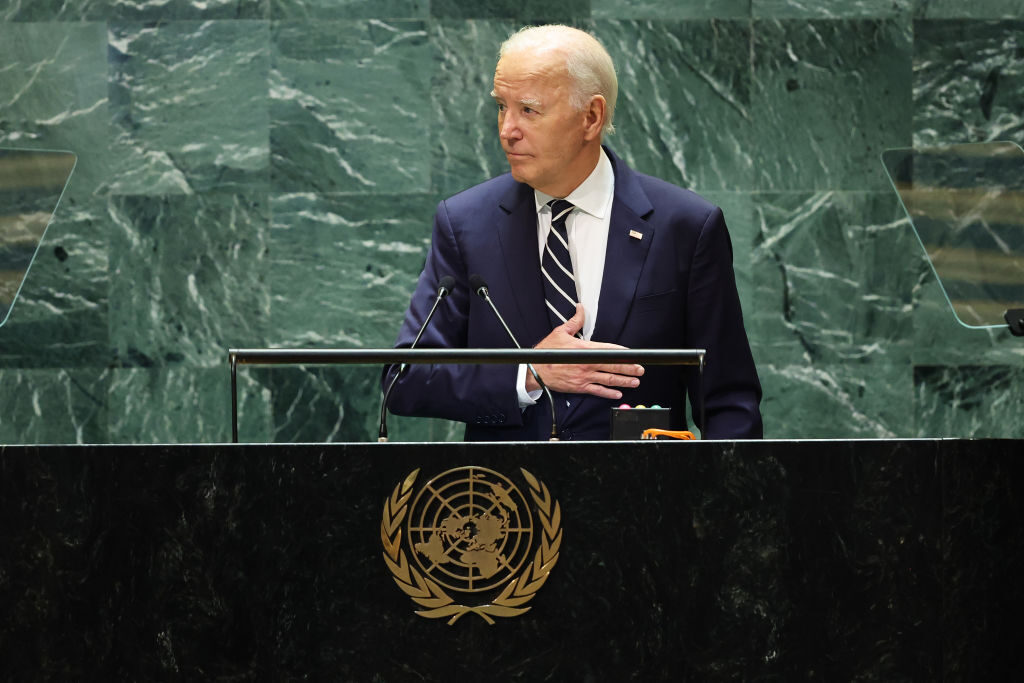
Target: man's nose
x,y
509,128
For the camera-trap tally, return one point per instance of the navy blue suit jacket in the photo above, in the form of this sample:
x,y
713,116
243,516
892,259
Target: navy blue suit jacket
x,y
674,288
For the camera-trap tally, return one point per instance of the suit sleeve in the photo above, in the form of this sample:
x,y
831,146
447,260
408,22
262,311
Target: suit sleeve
x,y
475,394
714,321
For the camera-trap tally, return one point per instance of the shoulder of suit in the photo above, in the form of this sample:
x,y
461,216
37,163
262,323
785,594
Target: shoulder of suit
x,y
664,197
673,204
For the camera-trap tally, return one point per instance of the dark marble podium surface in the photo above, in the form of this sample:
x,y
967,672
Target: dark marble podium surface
x,y
776,560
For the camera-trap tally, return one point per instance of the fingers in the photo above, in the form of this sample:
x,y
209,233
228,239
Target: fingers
x,y
598,380
564,335
602,391
627,369
575,323
610,379
603,384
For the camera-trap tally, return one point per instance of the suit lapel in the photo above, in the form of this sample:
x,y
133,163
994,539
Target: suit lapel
x,y
629,241
624,261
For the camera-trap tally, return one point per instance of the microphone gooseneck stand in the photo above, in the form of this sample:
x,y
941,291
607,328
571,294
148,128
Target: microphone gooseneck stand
x,y
480,288
444,288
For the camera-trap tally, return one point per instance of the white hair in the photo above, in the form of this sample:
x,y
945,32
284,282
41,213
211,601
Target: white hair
x,y
589,66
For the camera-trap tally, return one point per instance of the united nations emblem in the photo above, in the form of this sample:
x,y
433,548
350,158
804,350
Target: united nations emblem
x,y
470,536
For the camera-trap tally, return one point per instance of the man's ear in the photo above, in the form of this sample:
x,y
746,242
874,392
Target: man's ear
x,y
594,117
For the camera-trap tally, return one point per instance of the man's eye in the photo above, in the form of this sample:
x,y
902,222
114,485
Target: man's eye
x,y
501,108
527,110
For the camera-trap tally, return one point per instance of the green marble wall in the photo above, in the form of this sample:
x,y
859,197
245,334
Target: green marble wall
x,y
263,172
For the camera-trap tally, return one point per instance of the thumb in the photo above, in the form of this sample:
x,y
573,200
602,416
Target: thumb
x,y
575,323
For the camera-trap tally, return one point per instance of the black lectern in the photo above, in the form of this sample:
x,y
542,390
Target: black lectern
x,y
700,560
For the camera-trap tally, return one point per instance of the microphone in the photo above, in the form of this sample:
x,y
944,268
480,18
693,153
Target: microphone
x,y
444,288
480,289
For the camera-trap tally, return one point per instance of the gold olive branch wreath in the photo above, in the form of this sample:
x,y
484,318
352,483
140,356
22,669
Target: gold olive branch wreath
x,y
429,594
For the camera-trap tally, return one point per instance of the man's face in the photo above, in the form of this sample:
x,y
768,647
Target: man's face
x,y
541,133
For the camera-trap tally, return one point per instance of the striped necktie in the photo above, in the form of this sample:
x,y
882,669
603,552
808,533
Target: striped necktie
x,y
556,266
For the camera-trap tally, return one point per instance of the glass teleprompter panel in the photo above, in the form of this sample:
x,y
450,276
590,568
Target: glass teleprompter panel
x,y
966,203
31,185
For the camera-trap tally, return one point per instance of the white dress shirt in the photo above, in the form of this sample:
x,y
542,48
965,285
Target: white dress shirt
x,y
587,227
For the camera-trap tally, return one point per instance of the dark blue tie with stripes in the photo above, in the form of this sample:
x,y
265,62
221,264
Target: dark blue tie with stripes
x,y
556,266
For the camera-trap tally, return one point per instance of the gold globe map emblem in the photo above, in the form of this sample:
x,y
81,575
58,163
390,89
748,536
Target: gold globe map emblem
x,y
469,536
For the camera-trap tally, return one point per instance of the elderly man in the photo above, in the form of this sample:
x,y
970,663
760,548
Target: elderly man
x,y
578,251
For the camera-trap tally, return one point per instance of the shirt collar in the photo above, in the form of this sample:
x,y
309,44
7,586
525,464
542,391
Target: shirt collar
x,y
593,195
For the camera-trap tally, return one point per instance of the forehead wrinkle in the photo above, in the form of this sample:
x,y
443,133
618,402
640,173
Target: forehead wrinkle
x,y
523,68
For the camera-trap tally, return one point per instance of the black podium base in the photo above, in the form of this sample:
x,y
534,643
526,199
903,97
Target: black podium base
x,y
880,560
